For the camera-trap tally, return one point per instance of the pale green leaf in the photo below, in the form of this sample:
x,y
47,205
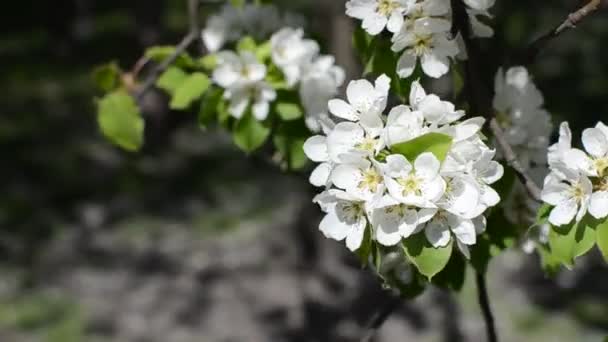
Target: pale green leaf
x,y
107,76
191,89
120,120
567,243
436,143
246,43
249,133
289,111
160,53
171,79
602,238
208,111
428,260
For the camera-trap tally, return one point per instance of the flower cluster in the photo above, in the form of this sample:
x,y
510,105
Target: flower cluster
x,y
578,181
376,179
232,23
246,76
421,30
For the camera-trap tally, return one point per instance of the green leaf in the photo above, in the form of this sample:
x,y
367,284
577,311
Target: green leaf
x,y
436,143
171,79
120,120
264,51
427,259
160,53
453,275
208,111
249,133
191,89
549,263
362,41
365,250
602,238
499,236
289,141
289,111
246,43
107,77
569,242
542,215
208,62
238,3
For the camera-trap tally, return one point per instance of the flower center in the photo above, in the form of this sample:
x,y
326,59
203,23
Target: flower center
x,y
398,209
411,185
578,192
601,185
349,212
368,145
422,44
371,180
601,164
386,7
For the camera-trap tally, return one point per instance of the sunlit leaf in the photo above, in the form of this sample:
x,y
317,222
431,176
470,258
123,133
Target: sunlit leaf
x,y
120,120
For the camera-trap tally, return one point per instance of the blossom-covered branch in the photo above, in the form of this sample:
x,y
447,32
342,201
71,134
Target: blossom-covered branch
x,y
571,21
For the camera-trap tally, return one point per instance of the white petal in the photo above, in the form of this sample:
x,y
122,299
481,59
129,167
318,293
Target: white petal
x,y
464,249
395,22
315,148
360,93
575,158
406,64
342,110
598,206
563,213
464,230
355,236
417,94
435,65
427,165
320,175
374,23
595,142
555,193
437,233
346,176
260,110
332,227
387,226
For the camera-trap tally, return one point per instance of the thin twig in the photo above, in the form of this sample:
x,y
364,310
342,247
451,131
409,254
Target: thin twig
x,y
511,159
193,17
486,310
480,98
160,68
379,318
571,21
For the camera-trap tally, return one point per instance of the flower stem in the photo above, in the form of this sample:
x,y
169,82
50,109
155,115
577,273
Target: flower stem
x,y
486,310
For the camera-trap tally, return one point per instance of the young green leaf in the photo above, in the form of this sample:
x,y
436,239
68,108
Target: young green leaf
x,y
365,250
120,120
107,77
602,238
263,51
289,139
427,259
452,277
246,43
208,111
436,143
289,111
191,89
160,53
208,62
569,242
171,79
249,133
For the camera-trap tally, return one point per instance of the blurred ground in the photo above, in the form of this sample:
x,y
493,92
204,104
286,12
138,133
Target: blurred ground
x,y
192,241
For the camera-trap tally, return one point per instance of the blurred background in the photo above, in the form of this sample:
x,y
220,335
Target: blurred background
x,y
190,240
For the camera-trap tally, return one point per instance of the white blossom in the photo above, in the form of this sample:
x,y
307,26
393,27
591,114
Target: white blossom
x,y
379,14
320,82
231,24
527,125
291,52
425,39
393,196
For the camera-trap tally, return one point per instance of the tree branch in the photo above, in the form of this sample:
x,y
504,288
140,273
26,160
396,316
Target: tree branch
x,y
571,21
480,98
160,68
486,310
379,318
